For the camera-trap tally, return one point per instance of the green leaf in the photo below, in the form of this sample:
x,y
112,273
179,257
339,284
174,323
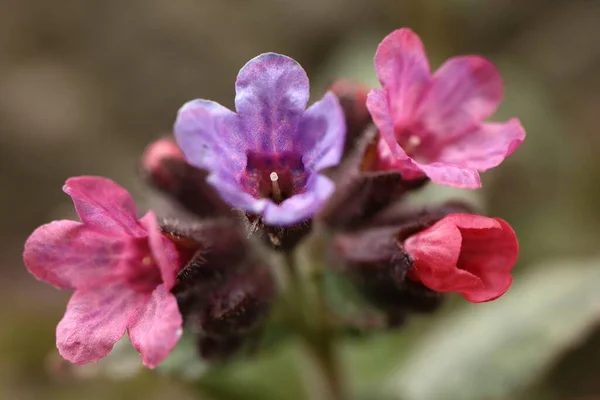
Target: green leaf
x,y
493,350
288,373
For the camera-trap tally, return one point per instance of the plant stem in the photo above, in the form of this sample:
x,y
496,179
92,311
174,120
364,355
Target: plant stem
x,y
316,326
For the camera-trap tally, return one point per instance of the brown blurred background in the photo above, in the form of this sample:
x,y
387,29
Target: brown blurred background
x,y
85,85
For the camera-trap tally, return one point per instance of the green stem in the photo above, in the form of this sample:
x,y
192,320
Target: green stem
x,y
315,326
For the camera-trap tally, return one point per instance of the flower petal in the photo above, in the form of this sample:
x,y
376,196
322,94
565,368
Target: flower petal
x,y
95,320
403,70
302,206
272,91
463,92
157,326
321,134
490,250
451,175
210,137
69,255
484,147
104,205
229,189
379,108
436,252
164,252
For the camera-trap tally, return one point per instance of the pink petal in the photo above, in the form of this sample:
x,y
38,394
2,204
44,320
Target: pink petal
x,y
157,327
103,205
379,108
95,320
164,252
391,155
436,252
271,93
403,70
463,92
69,255
451,175
484,147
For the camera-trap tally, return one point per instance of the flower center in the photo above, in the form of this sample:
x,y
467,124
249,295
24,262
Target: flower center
x,y
274,176
415,141
142,273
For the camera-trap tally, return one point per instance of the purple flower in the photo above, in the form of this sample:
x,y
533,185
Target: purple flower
x,y
432,125
265,157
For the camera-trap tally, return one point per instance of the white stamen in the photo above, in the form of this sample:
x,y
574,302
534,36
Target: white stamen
x,y
276,189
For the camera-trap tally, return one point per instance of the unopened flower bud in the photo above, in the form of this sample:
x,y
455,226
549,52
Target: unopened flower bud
x,y
282,238
215,249
165,168
239,305
218,349
360,196
409,219
378,265
353,99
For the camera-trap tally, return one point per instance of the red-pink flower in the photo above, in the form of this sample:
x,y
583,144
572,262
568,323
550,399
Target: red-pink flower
x,y
122,270
433,124
465,253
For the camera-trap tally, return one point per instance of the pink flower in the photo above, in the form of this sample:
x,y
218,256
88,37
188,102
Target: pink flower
x,y
465,253
432,125
122,271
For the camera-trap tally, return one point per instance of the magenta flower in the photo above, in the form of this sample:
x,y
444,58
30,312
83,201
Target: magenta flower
x,y
433,124
122,271
265,158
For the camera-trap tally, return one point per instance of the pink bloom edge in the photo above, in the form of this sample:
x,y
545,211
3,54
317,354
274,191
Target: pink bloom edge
x,y
121,269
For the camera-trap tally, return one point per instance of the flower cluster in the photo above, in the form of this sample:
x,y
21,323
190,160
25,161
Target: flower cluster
x,y
259,180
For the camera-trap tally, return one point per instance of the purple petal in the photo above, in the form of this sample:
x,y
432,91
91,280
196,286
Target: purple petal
x,y
209,136
68,255
463,92
321,134
301,206
95,320
157,326
233,194
484,147
163,250
403,70
451,175
104,205
272,91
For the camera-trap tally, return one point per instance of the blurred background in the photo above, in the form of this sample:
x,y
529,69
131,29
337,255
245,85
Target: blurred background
x,y
84,86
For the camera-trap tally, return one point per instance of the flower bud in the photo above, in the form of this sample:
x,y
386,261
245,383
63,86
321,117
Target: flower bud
x,y
353,99
281,238
376,263
359,196
238,306
165,168
218,349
